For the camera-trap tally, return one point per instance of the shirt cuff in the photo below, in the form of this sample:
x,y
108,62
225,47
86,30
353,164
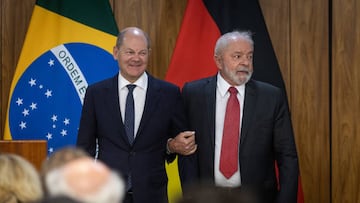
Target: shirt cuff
x,y
168,151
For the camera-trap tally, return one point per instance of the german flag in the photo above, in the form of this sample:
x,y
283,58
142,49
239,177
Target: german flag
x,y
68,46
203,23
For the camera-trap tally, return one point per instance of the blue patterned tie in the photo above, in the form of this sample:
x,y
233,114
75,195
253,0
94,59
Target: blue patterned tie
x,y
129,123
129,114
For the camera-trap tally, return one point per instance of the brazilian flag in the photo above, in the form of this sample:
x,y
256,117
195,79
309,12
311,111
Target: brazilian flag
x,y
68,46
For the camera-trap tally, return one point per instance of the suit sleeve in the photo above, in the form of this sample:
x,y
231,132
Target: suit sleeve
x,y
188,165
178,121
286,155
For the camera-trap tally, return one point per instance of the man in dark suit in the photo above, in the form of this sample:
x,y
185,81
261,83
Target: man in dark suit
x,y
137,145
262,125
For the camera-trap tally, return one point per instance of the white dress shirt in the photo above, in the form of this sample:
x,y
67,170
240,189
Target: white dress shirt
x,y
222,96
139,97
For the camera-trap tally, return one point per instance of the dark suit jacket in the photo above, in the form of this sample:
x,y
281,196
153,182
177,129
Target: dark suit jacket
x,y
163,117
266,136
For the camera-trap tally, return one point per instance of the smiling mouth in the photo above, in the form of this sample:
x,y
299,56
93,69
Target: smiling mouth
x,y
135,65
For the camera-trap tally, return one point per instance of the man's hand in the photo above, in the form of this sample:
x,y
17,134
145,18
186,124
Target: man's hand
x,y
183,143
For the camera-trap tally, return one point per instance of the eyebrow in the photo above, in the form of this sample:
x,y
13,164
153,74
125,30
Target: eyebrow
x,y
130,49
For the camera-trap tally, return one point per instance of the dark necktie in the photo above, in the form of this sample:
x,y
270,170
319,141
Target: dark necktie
x,y
230,142
129,114
129,123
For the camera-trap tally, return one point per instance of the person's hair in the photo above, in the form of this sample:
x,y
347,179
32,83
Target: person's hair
x,y
7,197
58,199
20,181
60,158
226,38
209,193
111,190
121,36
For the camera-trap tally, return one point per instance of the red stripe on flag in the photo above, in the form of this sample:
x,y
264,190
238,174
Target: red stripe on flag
x,y
193,55
300,193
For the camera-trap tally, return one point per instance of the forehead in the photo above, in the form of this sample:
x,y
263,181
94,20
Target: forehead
x,y
239,45
134,41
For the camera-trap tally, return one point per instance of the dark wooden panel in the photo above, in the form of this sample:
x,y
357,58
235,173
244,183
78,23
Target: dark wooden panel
x,y
161,20
345,101
1,69
277,19
309,51
15,18
34,151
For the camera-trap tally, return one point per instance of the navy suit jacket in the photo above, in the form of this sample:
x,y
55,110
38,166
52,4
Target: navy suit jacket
x,y
266,136
163,117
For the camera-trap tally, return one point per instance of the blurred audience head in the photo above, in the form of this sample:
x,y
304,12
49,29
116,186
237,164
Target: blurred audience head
x,y
86,181
20,181
60,158
58,199
209,193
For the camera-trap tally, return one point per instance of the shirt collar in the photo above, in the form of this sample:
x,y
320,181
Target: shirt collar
x,y
223,86
141,82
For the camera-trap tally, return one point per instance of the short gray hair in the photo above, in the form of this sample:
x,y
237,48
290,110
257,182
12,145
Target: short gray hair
x,y
225,39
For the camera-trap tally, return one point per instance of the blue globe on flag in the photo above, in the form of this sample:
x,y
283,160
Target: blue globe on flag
x,y
47,100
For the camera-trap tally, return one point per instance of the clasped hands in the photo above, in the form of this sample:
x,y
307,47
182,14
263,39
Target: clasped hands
x,y
183,143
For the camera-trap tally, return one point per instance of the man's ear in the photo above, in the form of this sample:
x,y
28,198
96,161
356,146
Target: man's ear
x,y
218,61
115,52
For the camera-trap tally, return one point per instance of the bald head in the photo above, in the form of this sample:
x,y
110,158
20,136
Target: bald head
x,y
77,174
133,32
86,180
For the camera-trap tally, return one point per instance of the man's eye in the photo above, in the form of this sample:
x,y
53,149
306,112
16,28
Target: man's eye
x,y
143,53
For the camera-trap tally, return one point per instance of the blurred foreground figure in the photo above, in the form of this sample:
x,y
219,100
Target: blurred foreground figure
x,y
210,193
58,159
19,180
86,181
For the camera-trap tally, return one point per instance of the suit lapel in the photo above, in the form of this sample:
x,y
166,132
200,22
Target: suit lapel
x,y
248,109
112,101
153,95
210,102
